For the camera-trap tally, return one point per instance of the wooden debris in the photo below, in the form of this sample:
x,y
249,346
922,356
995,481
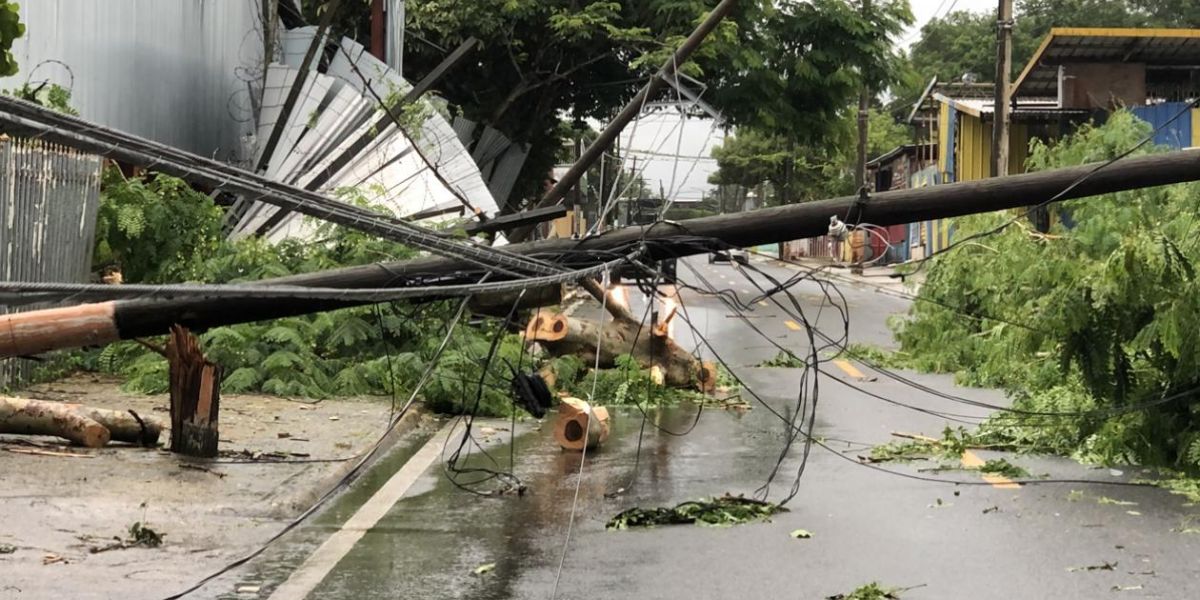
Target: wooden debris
x,y
122,426
580,425
562,335
48,453
195,396
35,417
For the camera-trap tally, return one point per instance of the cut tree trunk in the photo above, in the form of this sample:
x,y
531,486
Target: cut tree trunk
x,y
123,426
580,425
195,396
562,335
34,417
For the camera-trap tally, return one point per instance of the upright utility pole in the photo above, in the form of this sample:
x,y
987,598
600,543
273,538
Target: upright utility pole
x,y
864,108
1004,30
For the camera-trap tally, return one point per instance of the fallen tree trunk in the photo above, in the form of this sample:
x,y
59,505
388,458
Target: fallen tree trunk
x,y
34,417
562,335
76,422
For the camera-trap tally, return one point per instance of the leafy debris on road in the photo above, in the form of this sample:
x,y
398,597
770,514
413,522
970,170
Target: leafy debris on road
x,y
1107,500
991,509
723,511
140,536
785,360
801,534
1104,566
1001,466
7,548
871,591
950,447
484,568
1126,588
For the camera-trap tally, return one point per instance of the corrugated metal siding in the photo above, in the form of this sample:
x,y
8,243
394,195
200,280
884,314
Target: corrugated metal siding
x,y
174,71
48,201
1176,135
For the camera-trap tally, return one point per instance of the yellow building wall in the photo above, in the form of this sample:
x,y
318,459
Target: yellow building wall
x,y
1196,127
973,152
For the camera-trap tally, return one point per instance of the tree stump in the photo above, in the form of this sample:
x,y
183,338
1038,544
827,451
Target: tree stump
x,y
195,396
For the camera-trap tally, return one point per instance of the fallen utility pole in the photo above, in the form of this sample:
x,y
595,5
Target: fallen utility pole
x,y
606,138
35,332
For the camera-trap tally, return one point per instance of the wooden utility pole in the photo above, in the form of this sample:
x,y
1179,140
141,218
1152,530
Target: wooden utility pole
x,y
864,113
1004,30
36,332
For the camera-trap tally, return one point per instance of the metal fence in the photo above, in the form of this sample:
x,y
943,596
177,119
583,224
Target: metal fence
x,y
49,196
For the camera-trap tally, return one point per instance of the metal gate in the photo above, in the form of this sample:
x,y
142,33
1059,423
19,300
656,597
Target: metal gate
x,y
49,196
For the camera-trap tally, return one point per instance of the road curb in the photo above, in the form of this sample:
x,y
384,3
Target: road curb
x,y
298,501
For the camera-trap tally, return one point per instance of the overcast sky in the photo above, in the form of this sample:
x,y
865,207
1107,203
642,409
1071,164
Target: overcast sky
x,y
659,133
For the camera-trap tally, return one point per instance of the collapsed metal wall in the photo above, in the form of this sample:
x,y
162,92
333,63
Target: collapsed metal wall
x,y
49,196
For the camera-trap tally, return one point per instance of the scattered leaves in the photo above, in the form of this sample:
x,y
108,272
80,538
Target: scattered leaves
x,y
1001,466
1107,500
801,534
870,591
723,511
484,568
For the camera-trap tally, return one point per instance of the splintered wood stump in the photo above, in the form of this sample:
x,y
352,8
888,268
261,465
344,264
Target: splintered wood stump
x,y
76,422
562,335
195,396
580,425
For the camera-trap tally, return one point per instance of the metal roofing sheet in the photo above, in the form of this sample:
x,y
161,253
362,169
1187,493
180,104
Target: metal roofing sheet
x,y
1158,47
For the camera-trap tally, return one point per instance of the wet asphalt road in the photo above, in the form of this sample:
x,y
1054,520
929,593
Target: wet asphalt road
x,y
973,540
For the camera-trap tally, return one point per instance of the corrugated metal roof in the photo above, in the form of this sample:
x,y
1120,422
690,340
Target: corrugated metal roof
x,y
176,72
1027,107
1158,47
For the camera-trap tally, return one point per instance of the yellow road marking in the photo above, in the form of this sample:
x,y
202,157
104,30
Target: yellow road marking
x,y
971,460
848,368
793,325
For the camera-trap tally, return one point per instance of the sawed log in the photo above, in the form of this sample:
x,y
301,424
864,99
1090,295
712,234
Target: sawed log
x,y
562,335
77,423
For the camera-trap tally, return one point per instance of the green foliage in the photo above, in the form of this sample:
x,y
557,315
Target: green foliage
x,y
785,360
159,230
772,66
1106,311
11,28
715,512
1001,466
155,229
870,591
804,171
49,95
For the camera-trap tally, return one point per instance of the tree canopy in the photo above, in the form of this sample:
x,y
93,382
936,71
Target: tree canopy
x,y
785,67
